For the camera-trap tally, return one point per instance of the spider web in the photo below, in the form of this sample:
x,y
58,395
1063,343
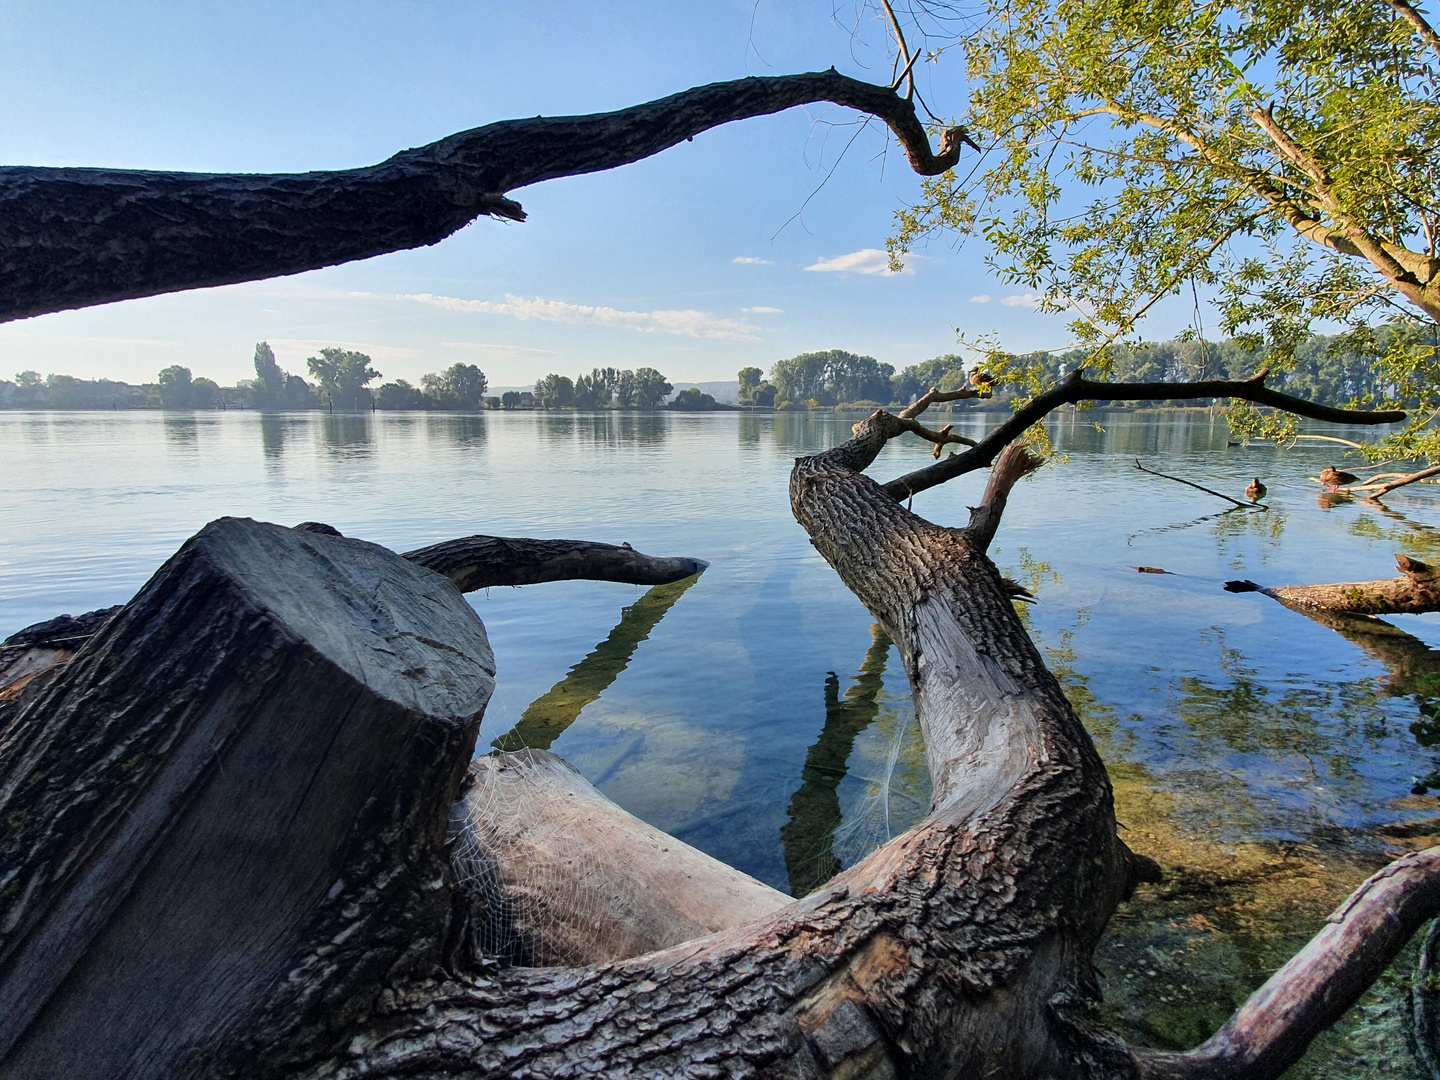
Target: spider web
x,y
535,892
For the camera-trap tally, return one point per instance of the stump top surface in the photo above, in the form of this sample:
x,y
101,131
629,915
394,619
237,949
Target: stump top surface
x,y
400,629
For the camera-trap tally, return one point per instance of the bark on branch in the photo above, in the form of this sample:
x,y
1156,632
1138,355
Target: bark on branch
x,y
471,562
74,237
1015,462
1075,388
1415,591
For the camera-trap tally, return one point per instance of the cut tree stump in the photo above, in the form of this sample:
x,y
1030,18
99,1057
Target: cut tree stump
x,y
257,756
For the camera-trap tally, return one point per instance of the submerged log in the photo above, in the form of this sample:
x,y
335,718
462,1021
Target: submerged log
x,y
1415,591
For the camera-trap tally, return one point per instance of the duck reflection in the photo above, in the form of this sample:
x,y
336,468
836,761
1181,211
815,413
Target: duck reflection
x,y
550,714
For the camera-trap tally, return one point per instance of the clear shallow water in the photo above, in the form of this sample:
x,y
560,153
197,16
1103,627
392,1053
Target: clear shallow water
x,y
754,711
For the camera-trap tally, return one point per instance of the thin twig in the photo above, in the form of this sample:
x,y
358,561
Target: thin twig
x,y
900,44
1197,487
1412,478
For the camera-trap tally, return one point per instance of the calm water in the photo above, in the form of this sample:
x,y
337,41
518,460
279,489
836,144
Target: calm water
x,y
1267,760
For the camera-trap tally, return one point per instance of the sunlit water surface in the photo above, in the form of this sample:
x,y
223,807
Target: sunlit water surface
x,y
1265,760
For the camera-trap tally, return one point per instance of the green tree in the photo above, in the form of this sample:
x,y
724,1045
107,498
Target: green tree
x,y
510,399
832,377
1279,153
596,390
916,379
204,393
176,390
648,388
269,390
459,387
554,392
693,400
749,378
754,390
343,376
400,395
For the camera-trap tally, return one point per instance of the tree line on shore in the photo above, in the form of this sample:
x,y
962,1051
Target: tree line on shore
x,y
1330,370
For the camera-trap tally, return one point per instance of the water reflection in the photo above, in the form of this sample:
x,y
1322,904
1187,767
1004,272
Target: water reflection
x,y
272,435
181,430
809,836
1413,671
347,434
550,714
749,431
465,430
865,779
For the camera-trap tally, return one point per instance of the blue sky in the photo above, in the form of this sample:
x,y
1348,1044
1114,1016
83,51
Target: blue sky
x,y
745,246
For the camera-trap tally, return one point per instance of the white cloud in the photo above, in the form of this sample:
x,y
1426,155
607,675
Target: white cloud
x,y
695,324
763,311
1028,299
983,298
746,260
865,261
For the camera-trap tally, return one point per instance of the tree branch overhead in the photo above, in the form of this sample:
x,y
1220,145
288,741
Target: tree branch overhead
x,y
75,237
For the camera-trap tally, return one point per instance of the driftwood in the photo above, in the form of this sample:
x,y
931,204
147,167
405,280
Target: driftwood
x,y
471,562
1415,591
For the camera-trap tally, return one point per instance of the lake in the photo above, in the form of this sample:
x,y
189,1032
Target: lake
x,y
1266,761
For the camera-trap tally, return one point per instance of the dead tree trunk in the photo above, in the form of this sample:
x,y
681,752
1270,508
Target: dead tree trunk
x,y
239,844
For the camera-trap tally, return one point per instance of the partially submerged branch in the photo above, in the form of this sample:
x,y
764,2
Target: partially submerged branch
x,y
1197,487
480,562
1076,388
75,237
1271,1031
556,873
1380,490
1415,591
